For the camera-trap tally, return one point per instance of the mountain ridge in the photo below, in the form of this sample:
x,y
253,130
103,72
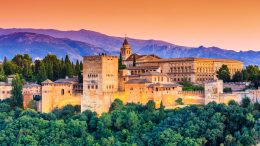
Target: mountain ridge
x,y
89,41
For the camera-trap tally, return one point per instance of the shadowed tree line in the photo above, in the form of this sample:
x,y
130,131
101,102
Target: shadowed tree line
x,y
249,74
49,67
133,124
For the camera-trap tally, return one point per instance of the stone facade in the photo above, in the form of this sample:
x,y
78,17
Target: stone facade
x,y
30,90
6,87
197,70
213,91
236,86
100,81
59,94
5,90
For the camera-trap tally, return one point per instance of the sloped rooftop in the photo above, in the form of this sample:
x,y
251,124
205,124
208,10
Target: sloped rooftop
x,y
138,81
48,81
143,67
68,80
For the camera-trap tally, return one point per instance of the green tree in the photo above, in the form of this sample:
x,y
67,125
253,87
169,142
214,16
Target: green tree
x,y
134,60
81,65
24,63
179,101
37,64
77,68
162,113
120,63
189,86
68,67
232,102
227,90
49,70
238,77
256,80
168,137
78,72
245,102
2,74
245,75
253,71
16,92
53,67
5,60
223,73
10,68
42,76
116,105
150,105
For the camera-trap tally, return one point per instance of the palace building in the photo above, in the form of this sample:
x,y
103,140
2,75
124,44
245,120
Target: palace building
x,y
146,77
149,77
196,70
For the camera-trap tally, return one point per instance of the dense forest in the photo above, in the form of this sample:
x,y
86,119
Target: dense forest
x,y
50,67
250,73
133,124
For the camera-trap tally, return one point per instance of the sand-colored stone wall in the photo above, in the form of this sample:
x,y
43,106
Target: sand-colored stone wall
x,y
100,81
56,95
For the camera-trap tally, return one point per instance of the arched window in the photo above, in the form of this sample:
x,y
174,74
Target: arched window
x,y
62,91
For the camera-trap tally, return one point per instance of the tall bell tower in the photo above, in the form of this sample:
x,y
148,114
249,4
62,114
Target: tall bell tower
x,y
125,50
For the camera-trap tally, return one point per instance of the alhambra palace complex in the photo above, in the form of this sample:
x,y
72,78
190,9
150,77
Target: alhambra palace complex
x,y
149,77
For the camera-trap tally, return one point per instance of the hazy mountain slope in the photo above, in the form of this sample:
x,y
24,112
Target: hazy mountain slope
x,y
111,44
38,45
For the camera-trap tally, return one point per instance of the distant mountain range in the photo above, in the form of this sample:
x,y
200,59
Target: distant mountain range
x,y
39,42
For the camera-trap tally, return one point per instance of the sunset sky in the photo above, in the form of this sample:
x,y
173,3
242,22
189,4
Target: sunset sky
x,y
229,24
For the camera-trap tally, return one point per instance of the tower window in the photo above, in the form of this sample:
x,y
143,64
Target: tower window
x,y
62,91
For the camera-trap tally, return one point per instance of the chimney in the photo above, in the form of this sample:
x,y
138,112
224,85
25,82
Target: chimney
x,y
10,79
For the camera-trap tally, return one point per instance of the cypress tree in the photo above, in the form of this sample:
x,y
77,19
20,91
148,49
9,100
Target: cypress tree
x,y
134,61
68,67
77,68
5,60
49,70
36,66
162,113
2,74
120,62
81,65
17,95
42,76
63,69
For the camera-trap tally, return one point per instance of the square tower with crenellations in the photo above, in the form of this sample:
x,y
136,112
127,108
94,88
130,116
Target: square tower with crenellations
x,y
100,81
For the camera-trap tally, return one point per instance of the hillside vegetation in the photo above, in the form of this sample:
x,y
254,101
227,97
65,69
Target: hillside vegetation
x,y
132,124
